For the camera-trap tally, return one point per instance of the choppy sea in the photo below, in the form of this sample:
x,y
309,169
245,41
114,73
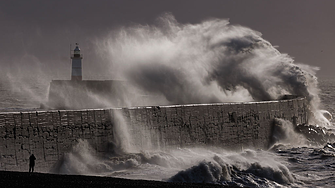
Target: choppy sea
x,y
287,164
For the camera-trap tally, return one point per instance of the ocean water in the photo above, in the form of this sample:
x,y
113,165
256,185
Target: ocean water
x,y
297,162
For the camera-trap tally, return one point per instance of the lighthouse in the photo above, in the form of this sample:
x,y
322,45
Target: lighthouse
x,y
76,57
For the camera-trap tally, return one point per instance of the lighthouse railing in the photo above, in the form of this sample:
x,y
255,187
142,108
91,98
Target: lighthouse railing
x,y
76,55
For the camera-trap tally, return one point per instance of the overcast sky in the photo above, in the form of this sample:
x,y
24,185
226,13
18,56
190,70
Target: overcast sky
x,y
38,33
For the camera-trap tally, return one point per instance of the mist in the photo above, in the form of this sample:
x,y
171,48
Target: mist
x,y
211,61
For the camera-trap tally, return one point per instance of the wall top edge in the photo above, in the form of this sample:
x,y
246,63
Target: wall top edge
x,y
163,106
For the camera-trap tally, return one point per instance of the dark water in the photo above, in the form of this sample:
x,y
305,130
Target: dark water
x,y
293,162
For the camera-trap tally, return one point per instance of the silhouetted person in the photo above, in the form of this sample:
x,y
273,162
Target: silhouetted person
x,y
32,159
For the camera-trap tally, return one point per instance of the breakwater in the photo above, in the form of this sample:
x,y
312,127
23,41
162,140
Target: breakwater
x,y
50,134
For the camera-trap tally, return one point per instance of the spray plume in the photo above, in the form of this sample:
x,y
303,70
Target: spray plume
x,y
212,61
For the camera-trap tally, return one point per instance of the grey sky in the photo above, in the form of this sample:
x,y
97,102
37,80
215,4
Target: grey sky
x,y
42,30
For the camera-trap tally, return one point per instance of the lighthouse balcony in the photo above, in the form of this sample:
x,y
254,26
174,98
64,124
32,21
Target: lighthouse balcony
x,y
77,56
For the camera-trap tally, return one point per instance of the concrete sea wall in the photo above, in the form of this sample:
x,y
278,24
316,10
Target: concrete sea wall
x,y
51,134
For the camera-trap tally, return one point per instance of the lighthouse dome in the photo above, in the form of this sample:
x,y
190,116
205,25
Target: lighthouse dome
x,y
76,50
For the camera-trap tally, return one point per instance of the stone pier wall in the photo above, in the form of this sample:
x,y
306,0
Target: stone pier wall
x,y
50,134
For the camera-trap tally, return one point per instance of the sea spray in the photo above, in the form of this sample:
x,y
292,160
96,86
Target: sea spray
x,y
211,61
124,151
75,95
187,58
210,165
122,140
34,94
80,160
284,132
84,160
133,137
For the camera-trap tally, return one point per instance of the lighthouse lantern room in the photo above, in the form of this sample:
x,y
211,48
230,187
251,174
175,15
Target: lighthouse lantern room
x,y
76,57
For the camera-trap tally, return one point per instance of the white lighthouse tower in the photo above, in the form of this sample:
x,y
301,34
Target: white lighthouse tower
x,y
76,64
